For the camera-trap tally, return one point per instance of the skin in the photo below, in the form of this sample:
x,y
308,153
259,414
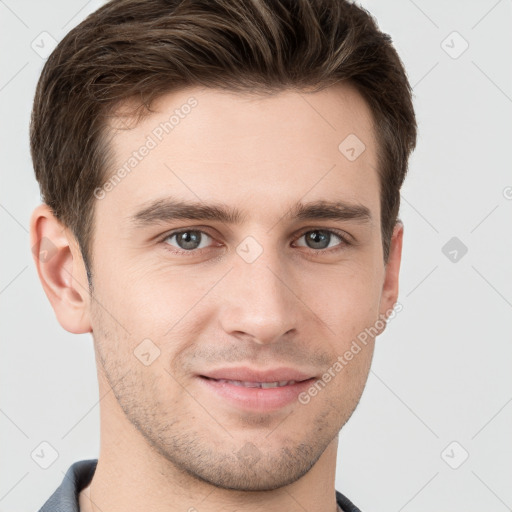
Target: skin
x,y
167,443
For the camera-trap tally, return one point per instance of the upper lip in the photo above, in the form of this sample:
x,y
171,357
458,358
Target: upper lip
x,y
245,374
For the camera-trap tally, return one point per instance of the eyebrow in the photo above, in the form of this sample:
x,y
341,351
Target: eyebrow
x,y
170,209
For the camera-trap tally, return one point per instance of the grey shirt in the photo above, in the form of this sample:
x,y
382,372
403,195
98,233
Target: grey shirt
x,y
79,476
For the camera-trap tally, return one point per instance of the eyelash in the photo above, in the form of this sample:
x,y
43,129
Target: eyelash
x,y
344,241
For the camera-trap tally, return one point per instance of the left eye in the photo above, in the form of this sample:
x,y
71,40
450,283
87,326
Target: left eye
x,y
317,239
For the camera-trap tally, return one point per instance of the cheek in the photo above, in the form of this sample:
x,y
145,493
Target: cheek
x,y
347,300
151,297
163,304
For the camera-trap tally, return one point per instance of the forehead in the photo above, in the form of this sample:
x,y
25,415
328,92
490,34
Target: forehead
x,y
250,149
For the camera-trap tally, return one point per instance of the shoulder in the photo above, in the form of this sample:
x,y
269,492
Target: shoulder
x,y
65,497
345,504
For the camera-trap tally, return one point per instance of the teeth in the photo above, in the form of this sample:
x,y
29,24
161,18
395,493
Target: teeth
x,y
263,385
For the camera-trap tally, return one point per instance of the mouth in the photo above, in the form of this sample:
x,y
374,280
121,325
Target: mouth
x,y
252,384
255,390
244,374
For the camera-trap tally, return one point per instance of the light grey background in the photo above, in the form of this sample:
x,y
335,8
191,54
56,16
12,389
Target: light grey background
x,y
442,370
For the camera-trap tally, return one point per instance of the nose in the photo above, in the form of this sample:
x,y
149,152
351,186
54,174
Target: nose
x,y
260,302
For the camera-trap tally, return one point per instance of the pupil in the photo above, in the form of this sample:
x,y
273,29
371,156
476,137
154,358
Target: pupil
x,y
317,237
188,239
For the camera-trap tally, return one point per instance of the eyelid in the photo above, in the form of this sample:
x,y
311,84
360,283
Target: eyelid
x,y
177,250
346,238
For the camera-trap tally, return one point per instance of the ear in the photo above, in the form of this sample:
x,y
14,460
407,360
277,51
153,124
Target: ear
x,y
61,270
389,294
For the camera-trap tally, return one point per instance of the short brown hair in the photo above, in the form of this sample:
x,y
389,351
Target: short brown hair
x,y
143,49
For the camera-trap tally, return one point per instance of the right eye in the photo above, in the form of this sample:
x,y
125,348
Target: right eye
x,y
187,240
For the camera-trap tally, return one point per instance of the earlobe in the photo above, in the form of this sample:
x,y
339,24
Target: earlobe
x,y
61,270
390,286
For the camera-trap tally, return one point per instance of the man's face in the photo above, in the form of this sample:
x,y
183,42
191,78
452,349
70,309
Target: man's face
x,y
179,321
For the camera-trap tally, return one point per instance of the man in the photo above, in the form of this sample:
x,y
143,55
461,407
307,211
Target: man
x,y
221,185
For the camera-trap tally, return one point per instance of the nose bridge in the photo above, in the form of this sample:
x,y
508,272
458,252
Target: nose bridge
x,y
258,301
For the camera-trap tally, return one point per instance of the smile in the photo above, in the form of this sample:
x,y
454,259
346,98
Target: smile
x,y
263,385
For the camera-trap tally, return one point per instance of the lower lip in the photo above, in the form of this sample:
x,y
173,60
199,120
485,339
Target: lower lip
x,y
257,399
